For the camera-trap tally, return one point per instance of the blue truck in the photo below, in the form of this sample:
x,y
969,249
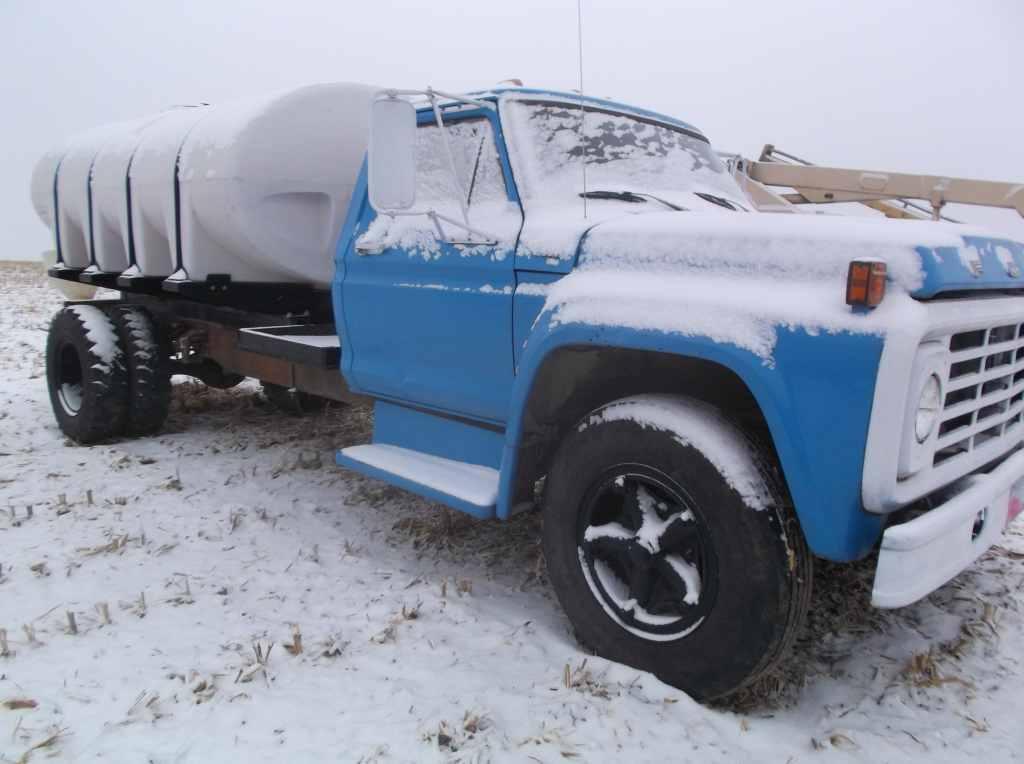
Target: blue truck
x,y
570,305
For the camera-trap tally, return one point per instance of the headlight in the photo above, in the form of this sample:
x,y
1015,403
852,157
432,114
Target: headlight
x,y
923,408
928,407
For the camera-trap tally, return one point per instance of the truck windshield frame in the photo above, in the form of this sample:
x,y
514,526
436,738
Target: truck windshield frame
x,y
625,152
590,108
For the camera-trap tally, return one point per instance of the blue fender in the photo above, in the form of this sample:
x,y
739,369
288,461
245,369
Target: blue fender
x,y
816,397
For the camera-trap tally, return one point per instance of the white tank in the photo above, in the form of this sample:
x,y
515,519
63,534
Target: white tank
x,y
265,184
263,188
43,176
110,227
152,180
72,165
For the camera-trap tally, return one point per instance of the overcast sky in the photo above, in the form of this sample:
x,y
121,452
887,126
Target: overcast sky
x,y
930,86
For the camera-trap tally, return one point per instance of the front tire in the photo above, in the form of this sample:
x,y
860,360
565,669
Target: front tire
x,y
670,549
86,375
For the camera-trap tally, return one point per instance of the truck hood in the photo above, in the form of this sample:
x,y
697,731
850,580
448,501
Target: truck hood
x,y
924,258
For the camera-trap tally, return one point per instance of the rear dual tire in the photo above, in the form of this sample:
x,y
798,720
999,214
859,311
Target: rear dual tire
x,y
108,373
86,374
147,359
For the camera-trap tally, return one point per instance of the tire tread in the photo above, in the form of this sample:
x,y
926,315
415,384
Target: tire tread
x,y
147,358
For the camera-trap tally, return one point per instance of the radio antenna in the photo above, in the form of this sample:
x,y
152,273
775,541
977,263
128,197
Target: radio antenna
x,y
583,145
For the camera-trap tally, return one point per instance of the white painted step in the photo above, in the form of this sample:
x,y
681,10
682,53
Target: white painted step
x,y
470,487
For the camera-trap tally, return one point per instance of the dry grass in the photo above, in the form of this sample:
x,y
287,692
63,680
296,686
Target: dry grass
x,y
138,607
258,663
242,414
923,670
511,547
184,595
453,737
333,647
48,742
583,680
840,614
295,646
841,620
16,704
116,545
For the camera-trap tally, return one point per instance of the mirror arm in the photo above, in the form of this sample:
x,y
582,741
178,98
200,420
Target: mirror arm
x,y
451,157
436,217
437,225
394,93
377,246
485,238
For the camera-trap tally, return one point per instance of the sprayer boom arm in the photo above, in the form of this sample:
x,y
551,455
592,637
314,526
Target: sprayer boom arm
x,y
814,184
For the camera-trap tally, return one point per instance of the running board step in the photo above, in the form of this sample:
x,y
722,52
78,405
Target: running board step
x,y
471,488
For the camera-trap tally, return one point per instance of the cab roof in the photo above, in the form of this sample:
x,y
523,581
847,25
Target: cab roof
x,y
575,98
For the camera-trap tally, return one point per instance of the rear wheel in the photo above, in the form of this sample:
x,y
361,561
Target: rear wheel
x,y
669,548
147,358
292,401
86,375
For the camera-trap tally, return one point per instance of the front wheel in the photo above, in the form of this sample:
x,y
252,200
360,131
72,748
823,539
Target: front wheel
x,y
670,549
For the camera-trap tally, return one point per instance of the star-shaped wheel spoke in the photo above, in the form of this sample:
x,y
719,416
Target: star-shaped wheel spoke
x,y
652,547
631,510
681,536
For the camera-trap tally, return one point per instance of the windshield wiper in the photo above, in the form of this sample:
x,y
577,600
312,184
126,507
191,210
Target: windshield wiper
x,y
629,196
621,196
719,200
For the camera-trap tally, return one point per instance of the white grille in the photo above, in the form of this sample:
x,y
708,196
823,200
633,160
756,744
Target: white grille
x,y
984,395
976,347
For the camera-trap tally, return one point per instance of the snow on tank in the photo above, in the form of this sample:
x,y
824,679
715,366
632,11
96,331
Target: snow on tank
x,y
71,165
265,184
263,188
110,226
154,229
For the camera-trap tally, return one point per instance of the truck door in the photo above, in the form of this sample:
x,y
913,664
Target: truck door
x,y
428,316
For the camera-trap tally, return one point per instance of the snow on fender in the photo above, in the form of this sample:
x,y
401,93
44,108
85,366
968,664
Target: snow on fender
x,y
693,422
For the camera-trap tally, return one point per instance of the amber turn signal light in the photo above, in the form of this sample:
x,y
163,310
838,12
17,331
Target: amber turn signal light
x,y
865,283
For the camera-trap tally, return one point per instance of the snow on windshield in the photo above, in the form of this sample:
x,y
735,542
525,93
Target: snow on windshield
x,y
622,153
476,164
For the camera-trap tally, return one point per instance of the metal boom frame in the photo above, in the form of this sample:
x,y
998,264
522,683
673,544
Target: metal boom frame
x,y
888,192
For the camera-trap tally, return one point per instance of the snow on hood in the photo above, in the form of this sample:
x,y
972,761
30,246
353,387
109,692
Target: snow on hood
x,y
739,278
792,247
806,248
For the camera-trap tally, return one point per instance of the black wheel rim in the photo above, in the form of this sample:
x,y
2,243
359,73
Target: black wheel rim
x,y
69,379
646,553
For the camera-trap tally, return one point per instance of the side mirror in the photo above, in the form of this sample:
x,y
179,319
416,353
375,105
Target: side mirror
x,y
392,160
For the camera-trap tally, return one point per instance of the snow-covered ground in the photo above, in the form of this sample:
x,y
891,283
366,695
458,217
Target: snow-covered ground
x,y
237,597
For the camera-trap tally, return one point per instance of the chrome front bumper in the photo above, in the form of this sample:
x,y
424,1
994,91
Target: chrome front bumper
x,y
919,556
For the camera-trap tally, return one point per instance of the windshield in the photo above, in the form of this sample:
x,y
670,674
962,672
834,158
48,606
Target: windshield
x,y
623,153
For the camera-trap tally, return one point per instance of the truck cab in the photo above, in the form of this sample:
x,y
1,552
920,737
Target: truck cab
x,y
607,260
